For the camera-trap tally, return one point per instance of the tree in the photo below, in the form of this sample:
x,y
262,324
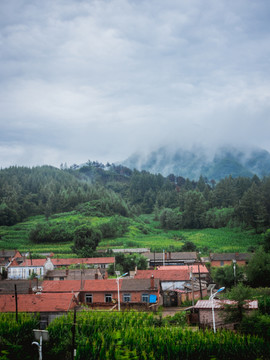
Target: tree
x,y
170,219
126,262
266,241
224,276
8,216
240,294
194,210
86,240
251,209
189,246
258,269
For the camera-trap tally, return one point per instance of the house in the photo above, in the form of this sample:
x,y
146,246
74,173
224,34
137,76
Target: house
x,y
29,267
176,285
227,258
198,270
40,267
49,306
73,274
100,262
6,256
205,312
170,258
103,293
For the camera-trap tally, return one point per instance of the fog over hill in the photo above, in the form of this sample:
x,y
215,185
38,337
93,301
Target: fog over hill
x,y
198,161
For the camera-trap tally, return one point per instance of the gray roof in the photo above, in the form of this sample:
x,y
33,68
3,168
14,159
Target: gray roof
x,y
138,284
74,274
133,250
7,253
172,256
23,286
230,256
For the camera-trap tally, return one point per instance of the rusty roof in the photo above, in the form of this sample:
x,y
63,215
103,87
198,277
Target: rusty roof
x,y
219,304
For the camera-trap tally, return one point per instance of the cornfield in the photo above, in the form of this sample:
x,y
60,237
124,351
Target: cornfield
x,y
137,335
123,335
16,337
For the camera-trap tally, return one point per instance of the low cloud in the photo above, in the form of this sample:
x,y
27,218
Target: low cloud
x,y
102,79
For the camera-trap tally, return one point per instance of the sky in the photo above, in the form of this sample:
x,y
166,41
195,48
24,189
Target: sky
x,y
101,79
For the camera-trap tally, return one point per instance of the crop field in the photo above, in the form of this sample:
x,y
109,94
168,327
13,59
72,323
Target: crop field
x,y
125,335
142,232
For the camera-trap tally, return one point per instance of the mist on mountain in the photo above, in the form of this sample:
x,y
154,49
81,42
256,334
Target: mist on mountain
x,y
192,163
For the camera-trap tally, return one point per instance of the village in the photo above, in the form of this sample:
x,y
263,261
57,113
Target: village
x,y
173,281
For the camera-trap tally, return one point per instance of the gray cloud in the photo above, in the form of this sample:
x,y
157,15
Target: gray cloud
x,y
102,79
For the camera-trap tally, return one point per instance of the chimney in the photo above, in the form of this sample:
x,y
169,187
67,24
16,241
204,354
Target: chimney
x,y
152,282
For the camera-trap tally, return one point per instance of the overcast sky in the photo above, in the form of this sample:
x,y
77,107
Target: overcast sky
x,y
99,80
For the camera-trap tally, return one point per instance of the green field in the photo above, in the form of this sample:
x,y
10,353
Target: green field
x,y
142,232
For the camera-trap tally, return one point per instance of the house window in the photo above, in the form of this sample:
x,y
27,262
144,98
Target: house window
x,y
221,262
89,298
145,298
126,297
50,277
61,278
108,298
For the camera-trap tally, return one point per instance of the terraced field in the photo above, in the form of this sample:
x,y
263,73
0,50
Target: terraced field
x,y
142,232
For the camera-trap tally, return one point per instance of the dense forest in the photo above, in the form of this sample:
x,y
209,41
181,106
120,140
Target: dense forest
x,y
106,190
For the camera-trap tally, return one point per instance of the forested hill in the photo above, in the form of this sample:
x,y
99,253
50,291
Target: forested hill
x,y
99,190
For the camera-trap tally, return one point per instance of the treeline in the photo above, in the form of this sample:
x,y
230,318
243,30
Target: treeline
x,y
106,190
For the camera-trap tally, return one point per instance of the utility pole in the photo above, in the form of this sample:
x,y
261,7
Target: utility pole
x,y
192,285
16,302
73,336
200,281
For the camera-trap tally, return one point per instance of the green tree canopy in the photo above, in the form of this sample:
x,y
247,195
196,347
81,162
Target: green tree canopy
x,y
86,240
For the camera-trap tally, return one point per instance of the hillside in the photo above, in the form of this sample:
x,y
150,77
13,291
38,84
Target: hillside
x,y
141,231
120,200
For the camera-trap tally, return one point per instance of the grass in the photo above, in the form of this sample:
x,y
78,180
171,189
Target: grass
x,y
142,232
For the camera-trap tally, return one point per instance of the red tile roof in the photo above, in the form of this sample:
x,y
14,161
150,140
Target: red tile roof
x,y
164,275
38,303
203,268
78,285
59,286
87,261
29,262
101,285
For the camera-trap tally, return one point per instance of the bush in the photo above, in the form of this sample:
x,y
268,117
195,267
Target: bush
x,y
51,232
